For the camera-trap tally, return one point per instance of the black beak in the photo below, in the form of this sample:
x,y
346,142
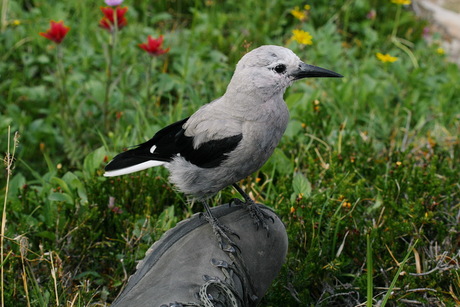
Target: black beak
x,y
310,71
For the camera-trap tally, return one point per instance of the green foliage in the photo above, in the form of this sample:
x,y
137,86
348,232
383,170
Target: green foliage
x,y
368,166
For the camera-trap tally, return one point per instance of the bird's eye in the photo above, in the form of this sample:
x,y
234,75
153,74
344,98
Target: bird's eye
x,y
280,68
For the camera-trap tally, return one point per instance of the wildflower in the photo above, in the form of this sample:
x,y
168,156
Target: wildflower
x,y
386,58
426,32
316,105
346,205
440,51
307,7
302,37
401,2
371,15
112,207
56,32
107,22
398,163
117,210
113,2
297,13
292,209
16,22
153,46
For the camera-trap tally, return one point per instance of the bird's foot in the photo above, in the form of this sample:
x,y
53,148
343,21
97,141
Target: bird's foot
x,y
222,233
259,216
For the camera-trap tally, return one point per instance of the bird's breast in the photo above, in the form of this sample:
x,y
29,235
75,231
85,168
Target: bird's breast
x,y
262,134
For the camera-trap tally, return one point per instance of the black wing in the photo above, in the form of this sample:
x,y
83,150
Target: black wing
x,y
209,154
170,142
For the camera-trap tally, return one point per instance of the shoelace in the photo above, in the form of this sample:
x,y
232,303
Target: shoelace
x,y
240,269
207,300
230,298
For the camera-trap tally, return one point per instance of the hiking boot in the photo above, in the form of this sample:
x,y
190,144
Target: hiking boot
x,y
188,267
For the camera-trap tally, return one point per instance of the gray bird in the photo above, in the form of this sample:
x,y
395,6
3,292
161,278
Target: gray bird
x,y
229,138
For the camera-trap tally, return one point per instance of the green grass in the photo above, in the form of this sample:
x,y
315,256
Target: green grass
x,y
366,177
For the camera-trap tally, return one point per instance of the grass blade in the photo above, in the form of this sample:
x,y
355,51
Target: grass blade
x,y
370,283
395,278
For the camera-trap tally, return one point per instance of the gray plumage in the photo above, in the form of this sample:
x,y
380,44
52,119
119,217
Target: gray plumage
x,y
233,136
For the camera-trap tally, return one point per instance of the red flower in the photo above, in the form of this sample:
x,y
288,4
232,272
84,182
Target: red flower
x,y
107,22
56,32
153,46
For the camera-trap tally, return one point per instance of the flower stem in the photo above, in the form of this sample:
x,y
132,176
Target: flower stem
x,y
108,84
61,75
4,15
396,24
398,42
148,78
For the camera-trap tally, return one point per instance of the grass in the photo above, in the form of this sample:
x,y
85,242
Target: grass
x,y
365,178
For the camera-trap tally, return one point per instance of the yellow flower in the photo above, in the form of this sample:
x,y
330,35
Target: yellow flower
x,y
302,37
401,2
440,51
292,209
307,7
16,22
297,13
386,58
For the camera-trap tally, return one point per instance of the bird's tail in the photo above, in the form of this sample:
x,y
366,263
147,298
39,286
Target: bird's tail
x,y
160,149
131,161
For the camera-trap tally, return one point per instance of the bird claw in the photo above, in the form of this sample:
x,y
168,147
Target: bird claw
x,y
222,233
258,216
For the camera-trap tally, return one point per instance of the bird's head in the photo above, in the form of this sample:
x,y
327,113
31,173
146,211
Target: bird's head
x,y
269,70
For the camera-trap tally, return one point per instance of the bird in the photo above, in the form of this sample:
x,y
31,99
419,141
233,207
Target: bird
x,y
229,138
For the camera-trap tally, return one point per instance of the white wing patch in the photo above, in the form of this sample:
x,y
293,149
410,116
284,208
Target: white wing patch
x,y
152,149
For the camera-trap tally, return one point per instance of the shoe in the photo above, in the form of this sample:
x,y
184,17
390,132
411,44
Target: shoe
x,y
189,267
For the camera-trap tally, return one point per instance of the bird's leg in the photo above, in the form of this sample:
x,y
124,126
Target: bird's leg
x,y
258,216
220,231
